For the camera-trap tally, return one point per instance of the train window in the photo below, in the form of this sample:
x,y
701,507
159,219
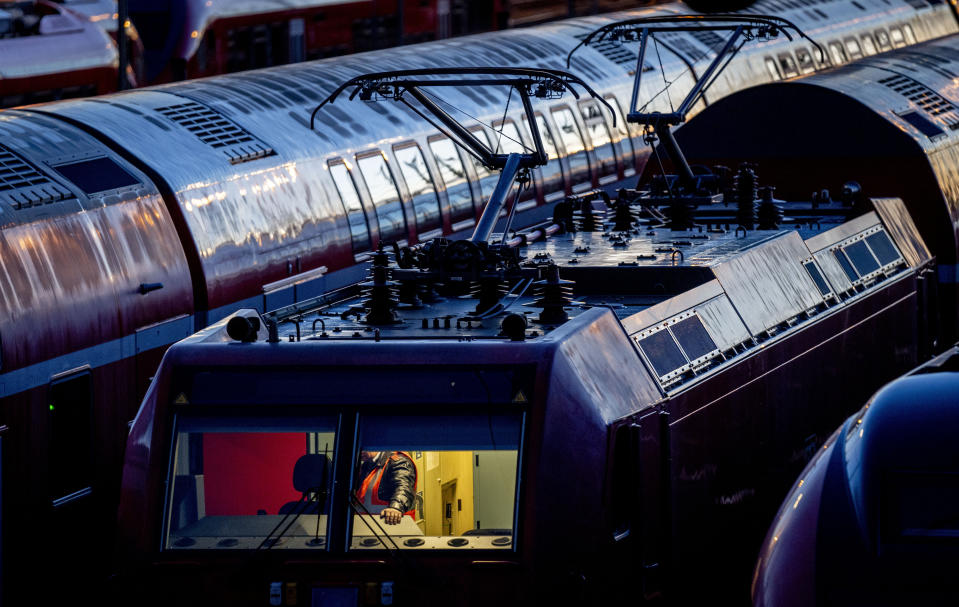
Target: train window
x,y
598,134
805,60
359,228
624,136
772,68
386,199
297,40
861,257
882,40
868,44
661,350
882,248
788,65
575,148
453,177
852,46
487,179
245,483
817,278
419,182
897,38
97,175
450,481
507,139
846,266
837,53
552,173
910,35
70,409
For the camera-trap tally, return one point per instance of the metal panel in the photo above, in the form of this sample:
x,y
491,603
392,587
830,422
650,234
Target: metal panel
x,y
723,322
672,307
902,230
832,271
842,232
768,284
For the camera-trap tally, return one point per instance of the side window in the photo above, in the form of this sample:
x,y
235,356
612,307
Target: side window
x,y
787,65
910,35
437,482
359,228
386,199
453,176
868,44
487,179
623,135
552,173
897,38
599,136
837,53
882,40
772,68
806,62
575,149
426,205
70,408
852,45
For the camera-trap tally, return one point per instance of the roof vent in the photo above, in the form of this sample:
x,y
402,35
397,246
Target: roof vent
x,y
217,131
927,99
22,185
616,52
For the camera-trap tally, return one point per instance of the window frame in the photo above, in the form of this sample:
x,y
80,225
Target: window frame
x,y
600,119
471,184
360,156
428,231
358,255
588,183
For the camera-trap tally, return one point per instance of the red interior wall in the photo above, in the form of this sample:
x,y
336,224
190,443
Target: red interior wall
x,y
247,472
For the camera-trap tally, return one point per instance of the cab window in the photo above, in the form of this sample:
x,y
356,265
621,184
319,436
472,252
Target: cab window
x,y
572,139
233,481
453,176
386,199
359,229
419,182
436,482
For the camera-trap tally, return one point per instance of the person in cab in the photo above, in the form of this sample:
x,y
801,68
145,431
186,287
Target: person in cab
x,y
388,484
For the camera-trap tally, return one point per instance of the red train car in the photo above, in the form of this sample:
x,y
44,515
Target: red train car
x,y
49,52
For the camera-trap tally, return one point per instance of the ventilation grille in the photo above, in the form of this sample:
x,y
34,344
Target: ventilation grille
x,y
22,185
927,99
217,131
616,51
710,40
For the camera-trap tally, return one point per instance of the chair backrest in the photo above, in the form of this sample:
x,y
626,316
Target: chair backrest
x,y
311,472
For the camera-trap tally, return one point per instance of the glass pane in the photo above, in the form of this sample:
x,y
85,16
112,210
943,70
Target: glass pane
x,y
860,256
693,337
234,480
487,179
575,149
868,45
386,199
436,482
880,244
599,136
621,129
426,205
837,53
354,209
507,140
817,278
553,171
454,178
882,39
846,266
662,352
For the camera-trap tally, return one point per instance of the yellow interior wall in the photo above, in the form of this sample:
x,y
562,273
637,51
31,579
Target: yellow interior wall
x,y
441,468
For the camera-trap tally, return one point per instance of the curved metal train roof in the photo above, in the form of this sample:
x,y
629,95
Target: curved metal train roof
x,y
257,192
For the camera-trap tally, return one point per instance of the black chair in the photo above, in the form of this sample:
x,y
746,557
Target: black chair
x,y
310,478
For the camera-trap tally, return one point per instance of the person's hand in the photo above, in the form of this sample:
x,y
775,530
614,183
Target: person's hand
x,y
392,516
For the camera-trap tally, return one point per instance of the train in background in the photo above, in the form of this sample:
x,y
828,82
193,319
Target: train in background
x,y
872,519
132,220
50,52
641,408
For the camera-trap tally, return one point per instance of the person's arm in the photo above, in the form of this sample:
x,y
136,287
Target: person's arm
x,y
403,475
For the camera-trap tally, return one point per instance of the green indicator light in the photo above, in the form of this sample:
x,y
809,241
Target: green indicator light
x,y
51,407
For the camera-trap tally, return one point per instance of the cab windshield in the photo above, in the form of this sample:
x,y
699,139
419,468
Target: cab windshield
x,y
436,482
250,483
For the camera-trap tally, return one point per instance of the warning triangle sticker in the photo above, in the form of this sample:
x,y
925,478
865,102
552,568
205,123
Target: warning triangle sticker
x,y
181,400
520,398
